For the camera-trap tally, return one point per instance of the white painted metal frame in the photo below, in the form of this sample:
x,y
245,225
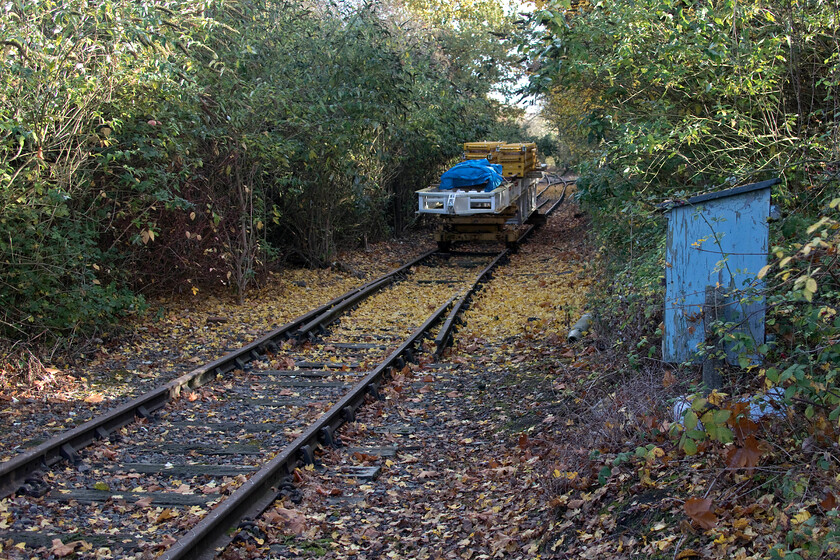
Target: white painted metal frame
x,y
458,202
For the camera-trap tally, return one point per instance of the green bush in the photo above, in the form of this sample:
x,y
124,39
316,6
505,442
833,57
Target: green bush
x,y
149,145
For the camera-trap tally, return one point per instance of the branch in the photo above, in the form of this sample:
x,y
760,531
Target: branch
x,y
20,48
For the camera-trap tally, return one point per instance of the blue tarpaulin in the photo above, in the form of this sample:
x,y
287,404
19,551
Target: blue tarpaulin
x,y
472,173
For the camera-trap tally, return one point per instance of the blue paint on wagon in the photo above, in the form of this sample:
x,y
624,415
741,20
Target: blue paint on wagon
x,y
715,239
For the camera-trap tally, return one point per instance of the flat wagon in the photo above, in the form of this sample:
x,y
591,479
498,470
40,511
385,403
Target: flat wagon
x,y
485,212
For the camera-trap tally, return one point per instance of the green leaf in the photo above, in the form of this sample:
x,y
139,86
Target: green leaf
x,y
690,420
720,433
698,435
603,475
721,416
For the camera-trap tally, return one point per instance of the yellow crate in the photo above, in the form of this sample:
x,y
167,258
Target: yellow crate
x,y
470,155
482,146
522,147
517,157
481,150
512,169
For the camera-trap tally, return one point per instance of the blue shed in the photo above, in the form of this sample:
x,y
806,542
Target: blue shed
x,y
717,239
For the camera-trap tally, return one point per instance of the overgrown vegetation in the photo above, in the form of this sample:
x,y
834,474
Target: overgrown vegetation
x,y
148,146
659,100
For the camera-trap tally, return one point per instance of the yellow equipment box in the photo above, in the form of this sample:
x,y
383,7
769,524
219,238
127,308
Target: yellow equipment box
x,y
516,159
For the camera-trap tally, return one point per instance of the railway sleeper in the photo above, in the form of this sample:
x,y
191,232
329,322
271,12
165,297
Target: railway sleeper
x,y
362,473
93,496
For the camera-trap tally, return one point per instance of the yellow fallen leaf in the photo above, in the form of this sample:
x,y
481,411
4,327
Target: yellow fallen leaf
x,y
664,543
165,514
801,517
741,523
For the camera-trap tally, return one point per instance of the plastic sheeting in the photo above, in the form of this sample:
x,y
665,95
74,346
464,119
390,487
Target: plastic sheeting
x,y
472,173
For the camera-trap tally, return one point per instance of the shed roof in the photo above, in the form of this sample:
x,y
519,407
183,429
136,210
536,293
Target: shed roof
x,y
722,194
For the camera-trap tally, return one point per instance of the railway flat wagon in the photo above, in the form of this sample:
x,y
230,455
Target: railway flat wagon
x,y
478,200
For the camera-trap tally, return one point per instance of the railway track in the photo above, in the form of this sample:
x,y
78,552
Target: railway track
x,y
176,471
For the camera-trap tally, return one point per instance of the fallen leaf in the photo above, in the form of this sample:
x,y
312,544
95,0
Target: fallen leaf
x,y
289,519
699,509
168,540
183,489
747,455
94,398
60,549
144,502
364,457
167,513
801,517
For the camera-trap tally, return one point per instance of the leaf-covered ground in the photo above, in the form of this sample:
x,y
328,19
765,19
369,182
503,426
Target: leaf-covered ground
x,y
520,445
461,444
178,334
516,445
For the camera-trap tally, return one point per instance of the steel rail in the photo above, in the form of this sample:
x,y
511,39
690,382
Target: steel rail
x,y
320,322
258,492
557,203
251,499
14,472
444,335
